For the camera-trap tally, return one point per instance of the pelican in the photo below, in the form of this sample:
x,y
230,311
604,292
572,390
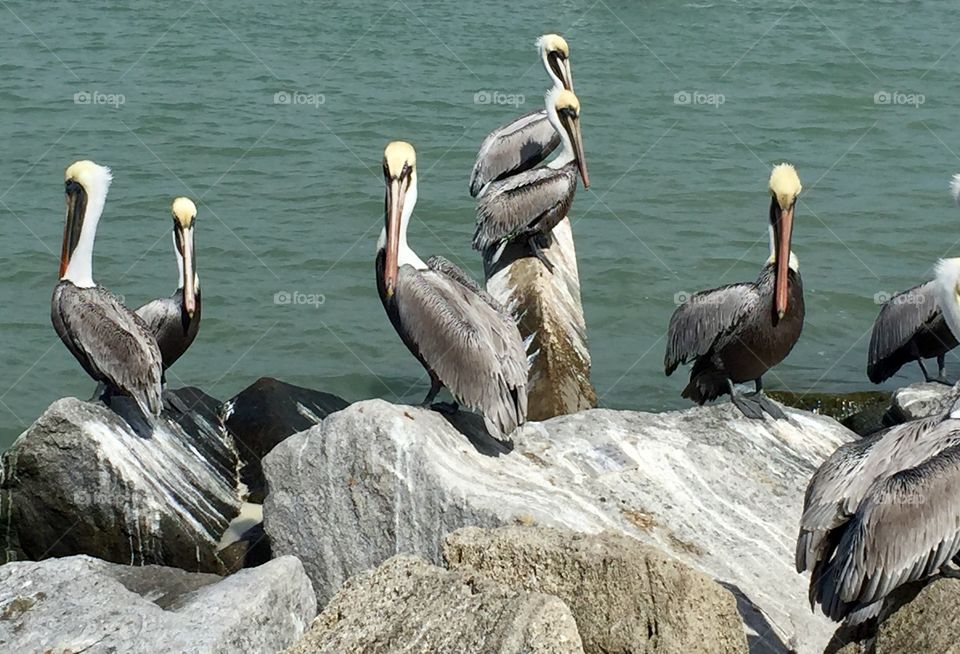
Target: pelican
x,y
175,320
736,333
528,205
111,342
911,326
879,513
525,142
461,335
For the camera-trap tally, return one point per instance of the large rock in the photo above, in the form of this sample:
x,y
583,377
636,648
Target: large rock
x,y
861,412
720,492
410,606
82,604
627,597
549,309
926,620
265,413
82,480
920,401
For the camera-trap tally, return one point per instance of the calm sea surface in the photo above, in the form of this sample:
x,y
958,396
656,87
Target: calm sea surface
x,y
685,108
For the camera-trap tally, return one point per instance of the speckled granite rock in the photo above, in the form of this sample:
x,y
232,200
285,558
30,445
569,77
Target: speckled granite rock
x,y
82,604
627,597
920,401
720,492
407,605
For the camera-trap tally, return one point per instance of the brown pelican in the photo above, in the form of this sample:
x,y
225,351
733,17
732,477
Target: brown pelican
x,y
175,320
463,338
879,513
911,325
525,142
528,205
736,333
111,342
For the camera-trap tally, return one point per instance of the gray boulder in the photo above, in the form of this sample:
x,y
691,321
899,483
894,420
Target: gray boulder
x,y
407,605
627,597
82,480
720,492
82,604
920,401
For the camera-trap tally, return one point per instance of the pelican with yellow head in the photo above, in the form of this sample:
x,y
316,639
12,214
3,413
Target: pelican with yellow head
x,y
736,333
175,320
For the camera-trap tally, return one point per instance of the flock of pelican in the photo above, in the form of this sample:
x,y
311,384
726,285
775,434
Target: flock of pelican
x,y
880,512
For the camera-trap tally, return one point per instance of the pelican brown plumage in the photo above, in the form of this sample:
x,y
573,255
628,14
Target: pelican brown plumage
x,y
527,206
523,143
463,338
175,320
111,342
736,333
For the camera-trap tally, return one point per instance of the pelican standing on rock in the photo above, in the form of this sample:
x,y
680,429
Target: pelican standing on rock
x,y
911,325
175,320
736,333
879,513
111,342
527,206
525,142
460,335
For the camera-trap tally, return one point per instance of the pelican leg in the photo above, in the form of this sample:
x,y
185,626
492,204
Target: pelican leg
x,y
748,407
941,364
435,387
98,393
765,402
536,246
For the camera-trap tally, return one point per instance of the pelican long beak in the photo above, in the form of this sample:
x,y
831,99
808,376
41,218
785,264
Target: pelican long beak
x,y
76,198
189,276
784,231
566,75
396,194
576,138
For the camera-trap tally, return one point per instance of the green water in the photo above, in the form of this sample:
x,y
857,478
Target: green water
x,y
290,195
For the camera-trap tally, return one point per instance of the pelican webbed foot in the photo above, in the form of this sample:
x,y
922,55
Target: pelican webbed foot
x,y
941,377
768,405
446,408
748,406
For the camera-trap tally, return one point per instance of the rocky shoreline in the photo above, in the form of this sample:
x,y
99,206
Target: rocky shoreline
x,y
391,528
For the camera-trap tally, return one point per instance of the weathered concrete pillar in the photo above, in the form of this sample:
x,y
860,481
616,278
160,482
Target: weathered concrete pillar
x,y
548,306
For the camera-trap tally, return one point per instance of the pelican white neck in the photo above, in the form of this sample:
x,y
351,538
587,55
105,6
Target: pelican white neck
x,y
566,154
80,269
405,254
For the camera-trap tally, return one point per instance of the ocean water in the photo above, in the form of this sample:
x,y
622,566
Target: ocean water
x,y
272,116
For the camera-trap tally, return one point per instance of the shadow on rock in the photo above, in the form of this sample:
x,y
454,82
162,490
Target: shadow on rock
x,y
475,430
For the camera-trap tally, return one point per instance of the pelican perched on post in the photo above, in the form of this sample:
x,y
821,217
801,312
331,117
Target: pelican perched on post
x,y
528,205
911,325
175,320
736,333
463,338
111,342
523,143
879,513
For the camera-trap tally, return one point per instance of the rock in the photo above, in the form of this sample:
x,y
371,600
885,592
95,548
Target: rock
x,y
81,480
718,491
82,604
627,597
548,305
925,618
407,605
920,401
861,412
264,414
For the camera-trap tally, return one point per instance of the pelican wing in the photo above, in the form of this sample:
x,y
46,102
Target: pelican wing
x,y
842,482
159,313
705,317
475,350
446,267
907,527
112,343
535,200
513,148
900,319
